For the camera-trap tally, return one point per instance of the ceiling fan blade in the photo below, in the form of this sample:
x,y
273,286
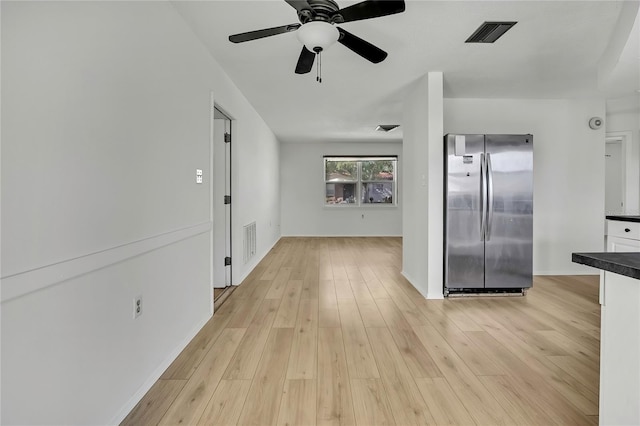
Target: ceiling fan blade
x,y
371,9
267,32
305,61
299,5
361,47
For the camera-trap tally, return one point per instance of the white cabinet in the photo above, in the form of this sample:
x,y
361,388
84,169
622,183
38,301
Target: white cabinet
x,y
620,351
620,333
623,236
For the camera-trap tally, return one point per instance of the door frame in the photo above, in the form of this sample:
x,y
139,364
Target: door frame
x,y
624,138
226,174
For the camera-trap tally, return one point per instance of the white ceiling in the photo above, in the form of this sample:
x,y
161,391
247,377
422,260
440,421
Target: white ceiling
x,y
556,50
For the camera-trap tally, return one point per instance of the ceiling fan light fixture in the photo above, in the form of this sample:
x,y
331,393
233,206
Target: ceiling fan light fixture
x,y
318,34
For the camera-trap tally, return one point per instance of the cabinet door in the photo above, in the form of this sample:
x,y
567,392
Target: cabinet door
x,y
619,341
620,351
617,244
622,244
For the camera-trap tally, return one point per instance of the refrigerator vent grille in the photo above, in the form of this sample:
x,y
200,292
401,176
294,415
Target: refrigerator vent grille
x,y
489,32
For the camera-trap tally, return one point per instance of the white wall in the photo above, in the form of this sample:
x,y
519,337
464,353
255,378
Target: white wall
x,y
568,170
106,116
422,122
302,189
623,115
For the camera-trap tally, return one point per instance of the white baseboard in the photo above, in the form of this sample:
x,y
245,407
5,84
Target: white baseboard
x,y
157,373
429,295
566,272
435,296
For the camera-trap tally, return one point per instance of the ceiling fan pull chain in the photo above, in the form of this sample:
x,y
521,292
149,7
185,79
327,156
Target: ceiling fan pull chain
x,y
319,68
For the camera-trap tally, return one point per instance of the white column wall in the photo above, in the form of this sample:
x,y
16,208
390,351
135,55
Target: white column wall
x,y
422,214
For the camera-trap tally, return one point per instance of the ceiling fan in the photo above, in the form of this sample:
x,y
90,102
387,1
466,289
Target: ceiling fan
x,y
318,31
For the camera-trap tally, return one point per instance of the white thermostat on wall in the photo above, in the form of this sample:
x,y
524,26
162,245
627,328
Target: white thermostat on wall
x,y
595,123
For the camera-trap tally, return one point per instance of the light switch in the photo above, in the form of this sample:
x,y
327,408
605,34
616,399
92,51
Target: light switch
x,y
198,176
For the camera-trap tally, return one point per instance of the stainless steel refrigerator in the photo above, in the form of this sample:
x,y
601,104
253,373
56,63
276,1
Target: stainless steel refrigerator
x,y
488,218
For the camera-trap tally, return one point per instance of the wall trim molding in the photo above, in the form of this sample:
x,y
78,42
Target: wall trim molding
x,y
22,283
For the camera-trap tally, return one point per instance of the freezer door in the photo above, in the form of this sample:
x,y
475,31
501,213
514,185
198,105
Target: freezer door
x,y
509,235
464,246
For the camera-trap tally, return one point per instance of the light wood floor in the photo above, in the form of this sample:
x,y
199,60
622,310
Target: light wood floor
x,y
326,331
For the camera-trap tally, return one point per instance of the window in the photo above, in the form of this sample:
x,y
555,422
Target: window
x,y
358,181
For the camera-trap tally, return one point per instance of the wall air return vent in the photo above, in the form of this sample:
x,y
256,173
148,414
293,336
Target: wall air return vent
x,y
490,32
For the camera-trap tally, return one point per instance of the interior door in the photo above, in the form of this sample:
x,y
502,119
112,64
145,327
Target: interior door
x,y
222,211
464,246
509,236
227,206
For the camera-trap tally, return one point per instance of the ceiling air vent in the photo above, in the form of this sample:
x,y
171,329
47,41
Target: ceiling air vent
x,y
387,127
490,32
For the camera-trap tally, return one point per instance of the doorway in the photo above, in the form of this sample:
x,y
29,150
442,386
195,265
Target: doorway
x,y
615,175
221,188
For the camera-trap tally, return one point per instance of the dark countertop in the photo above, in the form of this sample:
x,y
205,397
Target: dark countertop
x,y
624,218
627,264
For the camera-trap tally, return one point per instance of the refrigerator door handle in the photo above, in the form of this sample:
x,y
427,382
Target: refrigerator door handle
x,y
489,221
483,197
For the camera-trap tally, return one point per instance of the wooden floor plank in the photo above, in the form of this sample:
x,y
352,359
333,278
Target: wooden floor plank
x,y
334,406
405,399
370,314
153,406
245,313
517,400
279,284
443,402
343,289
415,355
225,406
546,396
391,314
370,402
327,331
328,317
298,405
474,396
349,313
304,349
360,291
246,359
581,372
288,310
360,361
189,359
263,401
196,393
327,292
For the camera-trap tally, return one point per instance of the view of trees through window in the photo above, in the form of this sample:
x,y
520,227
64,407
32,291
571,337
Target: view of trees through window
x,y
360,180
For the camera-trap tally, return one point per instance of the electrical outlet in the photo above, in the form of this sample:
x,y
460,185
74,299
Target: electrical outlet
x,y
198,176
137,306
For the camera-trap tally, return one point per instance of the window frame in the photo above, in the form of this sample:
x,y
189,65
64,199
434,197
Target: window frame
x,y
359,181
